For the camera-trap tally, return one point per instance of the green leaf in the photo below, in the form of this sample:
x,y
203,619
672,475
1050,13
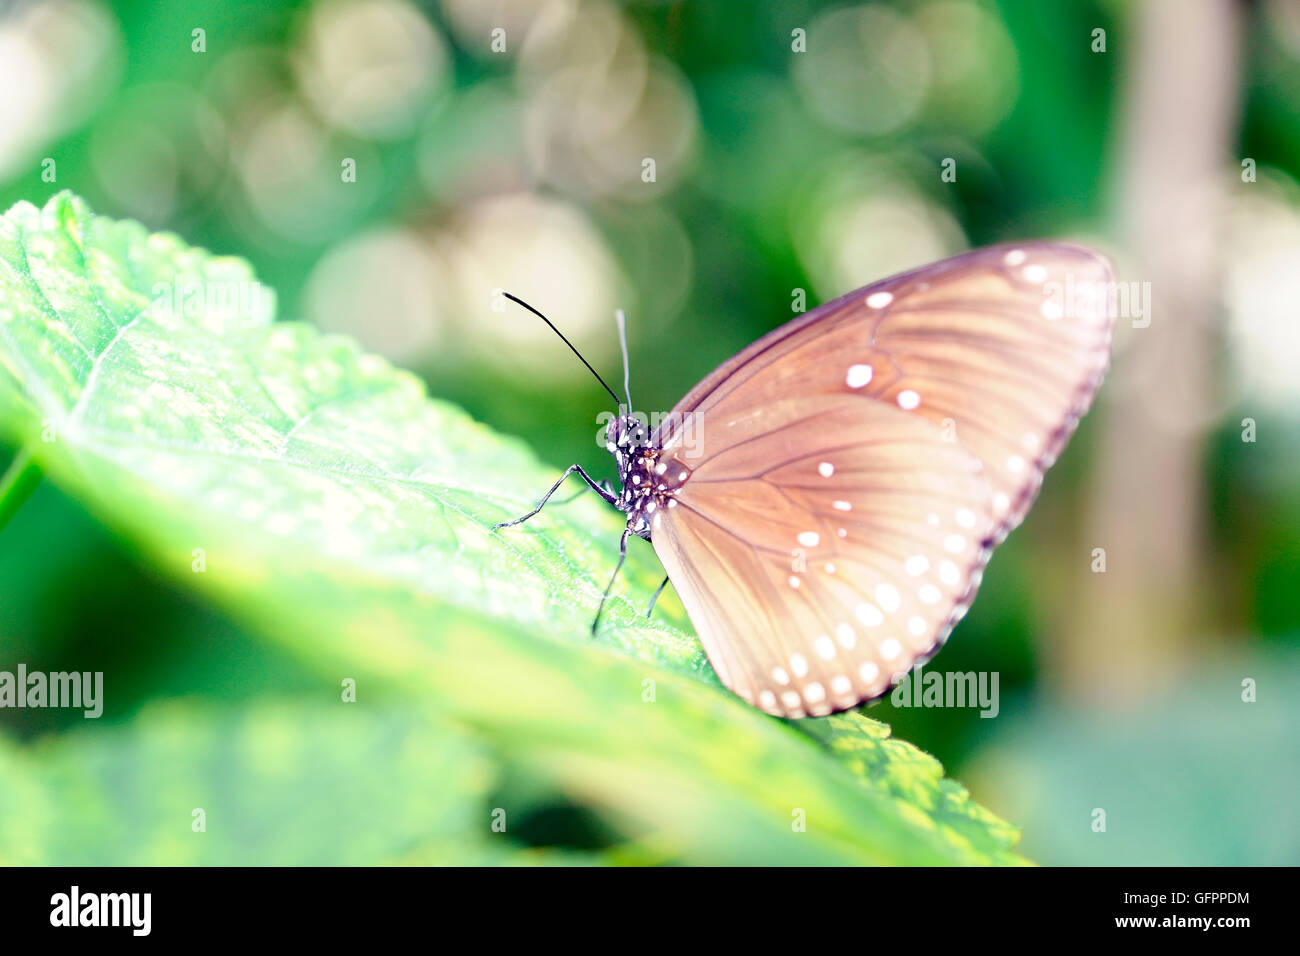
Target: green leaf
x,y
913,778
128,796
327,502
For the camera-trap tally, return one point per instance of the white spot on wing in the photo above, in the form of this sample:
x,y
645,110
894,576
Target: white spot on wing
x,y
878,300
824,647
809,539
859,375
844,634
826,469
1015,257
887,597
917,565
908,399
868,614
798,665
890,648
948,573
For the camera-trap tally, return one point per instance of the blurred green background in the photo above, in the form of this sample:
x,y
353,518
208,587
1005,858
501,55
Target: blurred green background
x,y
1171,141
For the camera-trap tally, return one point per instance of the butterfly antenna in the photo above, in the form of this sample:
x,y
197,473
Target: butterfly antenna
x,y
622,344
519,301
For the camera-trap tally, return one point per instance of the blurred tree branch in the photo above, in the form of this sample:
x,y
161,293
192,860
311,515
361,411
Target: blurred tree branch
x,y
1138,620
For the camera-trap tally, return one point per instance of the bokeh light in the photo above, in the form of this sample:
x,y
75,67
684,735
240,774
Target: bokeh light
x,y
370,67
868,70
383,289
58,61
160,151
599,106
546,252
974,73
1262,246
865,217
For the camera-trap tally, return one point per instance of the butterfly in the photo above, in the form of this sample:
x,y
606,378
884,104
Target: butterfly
x,y
825,502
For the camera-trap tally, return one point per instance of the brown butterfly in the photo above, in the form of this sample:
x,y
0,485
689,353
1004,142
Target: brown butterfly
x,y
825,501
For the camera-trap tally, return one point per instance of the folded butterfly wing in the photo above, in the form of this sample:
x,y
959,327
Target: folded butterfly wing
x,y
935,400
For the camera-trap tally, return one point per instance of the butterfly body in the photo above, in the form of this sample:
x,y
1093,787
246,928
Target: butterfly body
x,y
647,487
825,501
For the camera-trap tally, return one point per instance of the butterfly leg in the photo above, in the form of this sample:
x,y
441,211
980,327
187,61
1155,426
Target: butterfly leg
x,y
622,556
651,608
591,483
605,485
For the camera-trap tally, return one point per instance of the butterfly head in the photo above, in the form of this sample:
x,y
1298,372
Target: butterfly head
x,y
626,435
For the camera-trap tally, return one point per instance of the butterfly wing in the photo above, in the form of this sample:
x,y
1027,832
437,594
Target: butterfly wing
x,y
837,486
1003,348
